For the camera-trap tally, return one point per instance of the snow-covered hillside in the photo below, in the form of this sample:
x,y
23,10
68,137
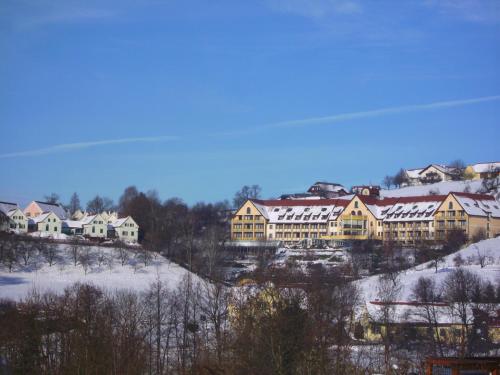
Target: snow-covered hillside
x,y
443,187
109,275
491,271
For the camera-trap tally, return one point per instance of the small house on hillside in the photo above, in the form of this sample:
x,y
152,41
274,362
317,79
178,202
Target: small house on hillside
x,y
124,229
13,218
483,170
47,222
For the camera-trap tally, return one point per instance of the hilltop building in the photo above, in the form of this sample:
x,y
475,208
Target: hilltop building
x,y
407,220
483,170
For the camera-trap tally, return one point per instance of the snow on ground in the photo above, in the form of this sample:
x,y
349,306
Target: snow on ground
x,y
443,187
489,248
111,275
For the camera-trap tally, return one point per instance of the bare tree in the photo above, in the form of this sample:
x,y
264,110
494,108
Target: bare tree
x,y
246,192
387,292
388,181
74,203
457,169
459,288
426,293
49,251
52,198
75,249
85,258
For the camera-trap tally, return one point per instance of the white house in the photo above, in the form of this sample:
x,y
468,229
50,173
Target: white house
x,y
47,222
95,226
14,218
430,174
124,229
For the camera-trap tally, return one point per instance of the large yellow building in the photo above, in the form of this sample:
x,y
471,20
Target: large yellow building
x,y
407,220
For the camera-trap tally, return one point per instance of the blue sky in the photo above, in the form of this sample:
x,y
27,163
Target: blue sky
x,y
197,98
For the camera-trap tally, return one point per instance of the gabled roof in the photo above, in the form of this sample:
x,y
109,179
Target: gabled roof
x,y
53,207
413,173
5,207
40,218
478,204
442,168
119,222
72,224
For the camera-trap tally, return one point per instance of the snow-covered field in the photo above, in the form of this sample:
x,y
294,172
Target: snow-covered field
x,y
110,275
443,187
491,271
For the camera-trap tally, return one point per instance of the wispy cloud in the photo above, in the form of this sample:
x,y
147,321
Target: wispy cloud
x,y
67,147
482,11
327,120
315,8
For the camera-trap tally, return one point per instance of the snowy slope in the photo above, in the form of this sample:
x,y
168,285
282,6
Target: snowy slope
x,y
490,248
443,187
111,276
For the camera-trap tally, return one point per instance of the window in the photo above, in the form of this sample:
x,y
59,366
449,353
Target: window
x,y
101,231
450,206
55,229
93,229
356,204
47,227
359,213
249,211
131,233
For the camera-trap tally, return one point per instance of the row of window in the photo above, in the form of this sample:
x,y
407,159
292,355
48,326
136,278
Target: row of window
x,y
299,226
248,235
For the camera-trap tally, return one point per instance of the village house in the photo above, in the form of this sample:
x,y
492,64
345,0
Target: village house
x,y
431,174
124,229
47,222
36,208
482,170
93,226
409,320
14,218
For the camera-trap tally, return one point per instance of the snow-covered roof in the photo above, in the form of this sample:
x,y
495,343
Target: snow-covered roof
x,y
119,222
439,167
39,218
300,211
53,207
5,207
77,224
414,173
412,211
485,167
478,204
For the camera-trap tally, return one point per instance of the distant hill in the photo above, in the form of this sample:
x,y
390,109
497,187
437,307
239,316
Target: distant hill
x,y
110,275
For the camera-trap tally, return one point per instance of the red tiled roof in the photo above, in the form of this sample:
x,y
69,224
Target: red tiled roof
x,y
302,202
389,201
473,196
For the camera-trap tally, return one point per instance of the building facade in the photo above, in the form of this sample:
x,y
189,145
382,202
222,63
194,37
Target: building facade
x,y
406,220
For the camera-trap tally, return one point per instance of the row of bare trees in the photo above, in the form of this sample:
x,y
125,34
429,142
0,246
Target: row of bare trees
x,y
196,328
